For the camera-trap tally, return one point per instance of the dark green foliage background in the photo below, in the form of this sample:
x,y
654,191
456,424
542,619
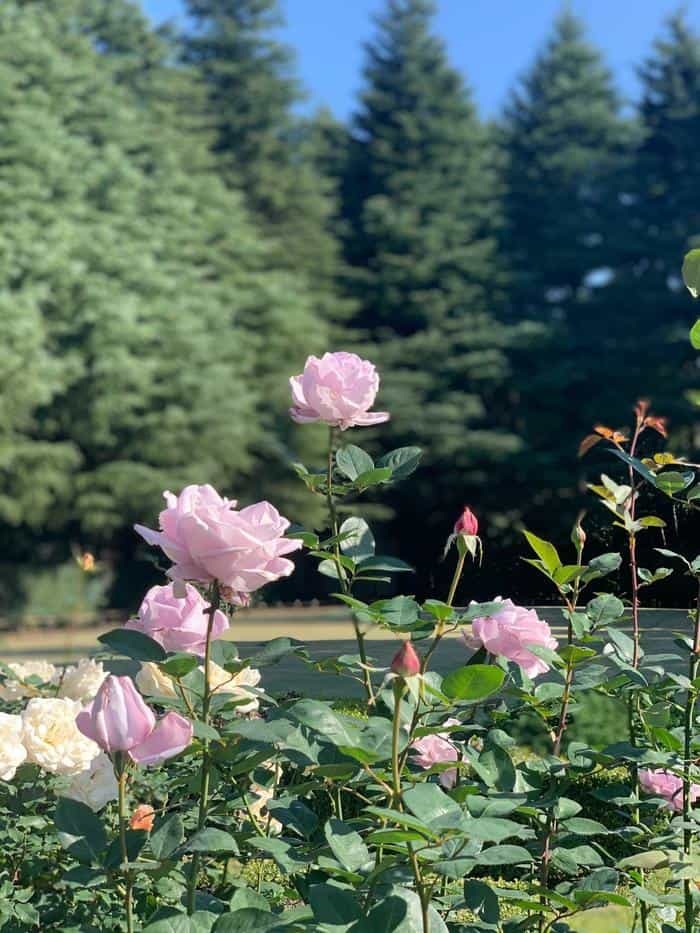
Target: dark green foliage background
x,y
174,240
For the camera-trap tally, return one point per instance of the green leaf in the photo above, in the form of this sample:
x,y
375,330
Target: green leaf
x,y
399,613
482,900
179,665
432,805
347,845
671,482
584,827
334,904
80,830
201,921
504,855
211,839
546,552
274,650
473,682
357,539
167,835
247,920
402,461
691,272
353,461
133,645
605,609
695,335
372,478
390,564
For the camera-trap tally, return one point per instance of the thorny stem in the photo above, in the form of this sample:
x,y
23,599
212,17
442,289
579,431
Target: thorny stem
x,y
123,823
397,802
214,605
634,583
693,666
345,588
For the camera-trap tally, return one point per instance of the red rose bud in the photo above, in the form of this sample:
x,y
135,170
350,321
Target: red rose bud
x,y
467,523
406,662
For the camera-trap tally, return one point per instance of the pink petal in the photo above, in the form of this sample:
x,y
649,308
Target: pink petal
x,y
171,735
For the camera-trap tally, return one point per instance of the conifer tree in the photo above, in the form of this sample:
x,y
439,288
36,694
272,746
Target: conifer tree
x,y
148,316
564,142
420,199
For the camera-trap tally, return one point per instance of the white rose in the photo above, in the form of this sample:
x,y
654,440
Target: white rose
x,y
82,682
221,681
52,738
12,751
153,682
96,786
16,689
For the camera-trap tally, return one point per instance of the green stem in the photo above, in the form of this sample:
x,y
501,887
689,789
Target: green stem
x,y
123,823
693,666
397,803
344,586
214,605
457,574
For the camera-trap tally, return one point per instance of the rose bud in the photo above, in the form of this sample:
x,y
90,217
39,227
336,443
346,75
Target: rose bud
x,y
406,662
467,523
142,817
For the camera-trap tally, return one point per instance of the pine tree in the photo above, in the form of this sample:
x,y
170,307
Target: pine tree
x,y
421,203
564,141
148,315
645,307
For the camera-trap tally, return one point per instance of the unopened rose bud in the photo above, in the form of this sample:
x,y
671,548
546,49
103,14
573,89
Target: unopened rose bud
x,y
578,535
142,817
406,662
467,523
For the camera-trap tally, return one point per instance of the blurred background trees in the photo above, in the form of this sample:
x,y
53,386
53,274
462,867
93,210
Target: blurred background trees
x,y
175,239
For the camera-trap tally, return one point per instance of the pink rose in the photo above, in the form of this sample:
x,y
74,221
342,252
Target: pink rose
x,y
338,389
120,721
509,632
434,750
667,785
207,539
177,624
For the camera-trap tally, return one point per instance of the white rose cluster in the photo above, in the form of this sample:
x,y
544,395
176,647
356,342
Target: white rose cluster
x,y
153,682
96,786
51,737
17,688
12,750
82,681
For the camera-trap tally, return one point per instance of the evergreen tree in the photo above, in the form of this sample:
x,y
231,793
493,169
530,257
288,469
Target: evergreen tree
x,y
421,202
645,307
147,315
564,141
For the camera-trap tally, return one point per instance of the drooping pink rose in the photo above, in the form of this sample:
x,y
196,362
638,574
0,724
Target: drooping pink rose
x,y
338,389
467,523
119,721
177,624
406,662
207,539
509,632
665,784
436,749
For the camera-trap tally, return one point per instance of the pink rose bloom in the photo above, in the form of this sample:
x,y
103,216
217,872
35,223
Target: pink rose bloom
x,y
667,785
434,750
119,721
338,389
207,539
177,624
509,632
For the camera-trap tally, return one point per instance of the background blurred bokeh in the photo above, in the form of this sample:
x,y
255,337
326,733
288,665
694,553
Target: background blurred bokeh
x,y
181,226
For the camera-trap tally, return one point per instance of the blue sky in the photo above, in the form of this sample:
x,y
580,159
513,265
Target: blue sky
x,y
490,41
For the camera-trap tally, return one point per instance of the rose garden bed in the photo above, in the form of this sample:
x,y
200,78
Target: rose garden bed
x,y
158,786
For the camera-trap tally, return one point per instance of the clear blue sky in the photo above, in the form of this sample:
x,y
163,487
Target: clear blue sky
x,y
491,41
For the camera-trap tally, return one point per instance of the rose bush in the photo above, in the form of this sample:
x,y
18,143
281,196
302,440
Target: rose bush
x,y
159,787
